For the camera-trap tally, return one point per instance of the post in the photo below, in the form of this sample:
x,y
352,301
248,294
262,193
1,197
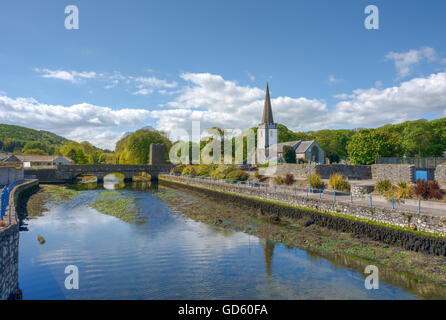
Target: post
x,y
419,206
334,195
351,197
371,204
310,170
320,194
294,190
393,203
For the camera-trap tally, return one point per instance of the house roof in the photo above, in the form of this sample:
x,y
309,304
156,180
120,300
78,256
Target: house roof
x,y
4,157
39,158
299,146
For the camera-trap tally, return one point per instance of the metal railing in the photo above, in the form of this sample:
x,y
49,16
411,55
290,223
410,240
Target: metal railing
x,y
4,199
369,200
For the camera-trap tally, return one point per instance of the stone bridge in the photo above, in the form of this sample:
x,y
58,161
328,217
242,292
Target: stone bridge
x,y
70,172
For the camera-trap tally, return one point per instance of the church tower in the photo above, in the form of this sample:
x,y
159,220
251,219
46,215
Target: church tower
x,y
267,131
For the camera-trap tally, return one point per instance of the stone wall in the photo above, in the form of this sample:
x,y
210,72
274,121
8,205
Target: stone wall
x,y
396,217
10,175
9,247
349,171
9,262
394,172
440,174
301,171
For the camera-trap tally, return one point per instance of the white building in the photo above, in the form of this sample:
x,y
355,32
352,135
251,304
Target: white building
x,y
36,161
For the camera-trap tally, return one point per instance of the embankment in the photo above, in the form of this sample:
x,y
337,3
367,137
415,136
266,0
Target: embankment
x,y
9,243
387,226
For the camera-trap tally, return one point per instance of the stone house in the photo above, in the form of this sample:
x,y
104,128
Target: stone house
x,y
36,161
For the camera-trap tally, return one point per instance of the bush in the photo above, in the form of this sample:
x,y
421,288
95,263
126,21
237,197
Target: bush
x,y
177,169
289,154
257,174
316,181
383,186
427,190
237,175
189,171
222,170
401,191
204,170
338,182
278,180
289,179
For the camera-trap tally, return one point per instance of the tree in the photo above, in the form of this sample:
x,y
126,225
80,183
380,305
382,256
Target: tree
x,y
289,155
369,144
417,138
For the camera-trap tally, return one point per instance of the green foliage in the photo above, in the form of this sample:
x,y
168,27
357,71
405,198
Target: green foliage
x,y
367,145
189,171
35,152
316,181
222,170
177,169
237,175
289,155
135,147
383,186
338,182
204,170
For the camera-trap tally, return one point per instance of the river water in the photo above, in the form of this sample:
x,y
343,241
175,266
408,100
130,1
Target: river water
x,y
164,255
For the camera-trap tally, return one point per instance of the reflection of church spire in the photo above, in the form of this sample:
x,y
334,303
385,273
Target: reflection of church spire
x,y
268,251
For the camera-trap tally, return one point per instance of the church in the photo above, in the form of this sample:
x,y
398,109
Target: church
x,y
268,148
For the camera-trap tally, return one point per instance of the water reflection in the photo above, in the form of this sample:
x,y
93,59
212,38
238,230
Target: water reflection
x,y
172,257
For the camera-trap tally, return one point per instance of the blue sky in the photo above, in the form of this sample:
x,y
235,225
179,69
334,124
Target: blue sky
x,y
166,63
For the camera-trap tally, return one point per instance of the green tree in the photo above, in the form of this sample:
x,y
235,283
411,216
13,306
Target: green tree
x,y
289,155
369,144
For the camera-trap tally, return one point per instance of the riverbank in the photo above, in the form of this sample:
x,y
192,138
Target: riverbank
x,y
268,220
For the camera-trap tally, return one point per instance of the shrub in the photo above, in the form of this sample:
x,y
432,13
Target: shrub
x,y
189,171
316,181
204,170
177,169
237,175
257,174
289,179
338,182
383,186
222,170
401,191
278,180
427,190
289,154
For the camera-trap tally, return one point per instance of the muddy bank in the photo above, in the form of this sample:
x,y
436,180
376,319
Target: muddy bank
x,y
330,236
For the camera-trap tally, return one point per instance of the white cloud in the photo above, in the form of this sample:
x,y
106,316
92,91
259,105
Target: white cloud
x,y
72,76
70,121
408,101
215,101
333,79
404,61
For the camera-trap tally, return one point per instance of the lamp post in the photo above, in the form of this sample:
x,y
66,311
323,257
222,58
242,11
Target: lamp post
x,y
310,170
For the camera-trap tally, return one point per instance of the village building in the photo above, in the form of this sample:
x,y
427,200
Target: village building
x,y
36,161
268,148
11,169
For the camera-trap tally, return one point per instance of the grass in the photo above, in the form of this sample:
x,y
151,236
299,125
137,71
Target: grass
x,y
111,203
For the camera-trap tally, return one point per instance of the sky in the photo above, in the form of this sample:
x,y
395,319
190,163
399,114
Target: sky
x,y
167,63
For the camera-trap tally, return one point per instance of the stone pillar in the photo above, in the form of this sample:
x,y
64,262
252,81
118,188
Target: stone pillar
x,y
157,154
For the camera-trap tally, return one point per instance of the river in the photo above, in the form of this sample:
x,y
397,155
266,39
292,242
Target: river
x,y
162,254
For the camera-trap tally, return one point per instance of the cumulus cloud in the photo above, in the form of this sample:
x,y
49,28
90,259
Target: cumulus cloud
x,y
214,101
69,121
333,79
408,101
404,61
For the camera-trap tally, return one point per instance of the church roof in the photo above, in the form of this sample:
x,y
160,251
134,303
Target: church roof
x,y
299,146
267,111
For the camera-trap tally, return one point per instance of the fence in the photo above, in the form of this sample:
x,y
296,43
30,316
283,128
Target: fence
x,y
369,200
419,163
4,200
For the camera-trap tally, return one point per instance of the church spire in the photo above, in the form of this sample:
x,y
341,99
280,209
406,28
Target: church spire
x,y
267,112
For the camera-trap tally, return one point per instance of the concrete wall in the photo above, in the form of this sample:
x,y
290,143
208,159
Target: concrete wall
x,y
394,172
396,217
